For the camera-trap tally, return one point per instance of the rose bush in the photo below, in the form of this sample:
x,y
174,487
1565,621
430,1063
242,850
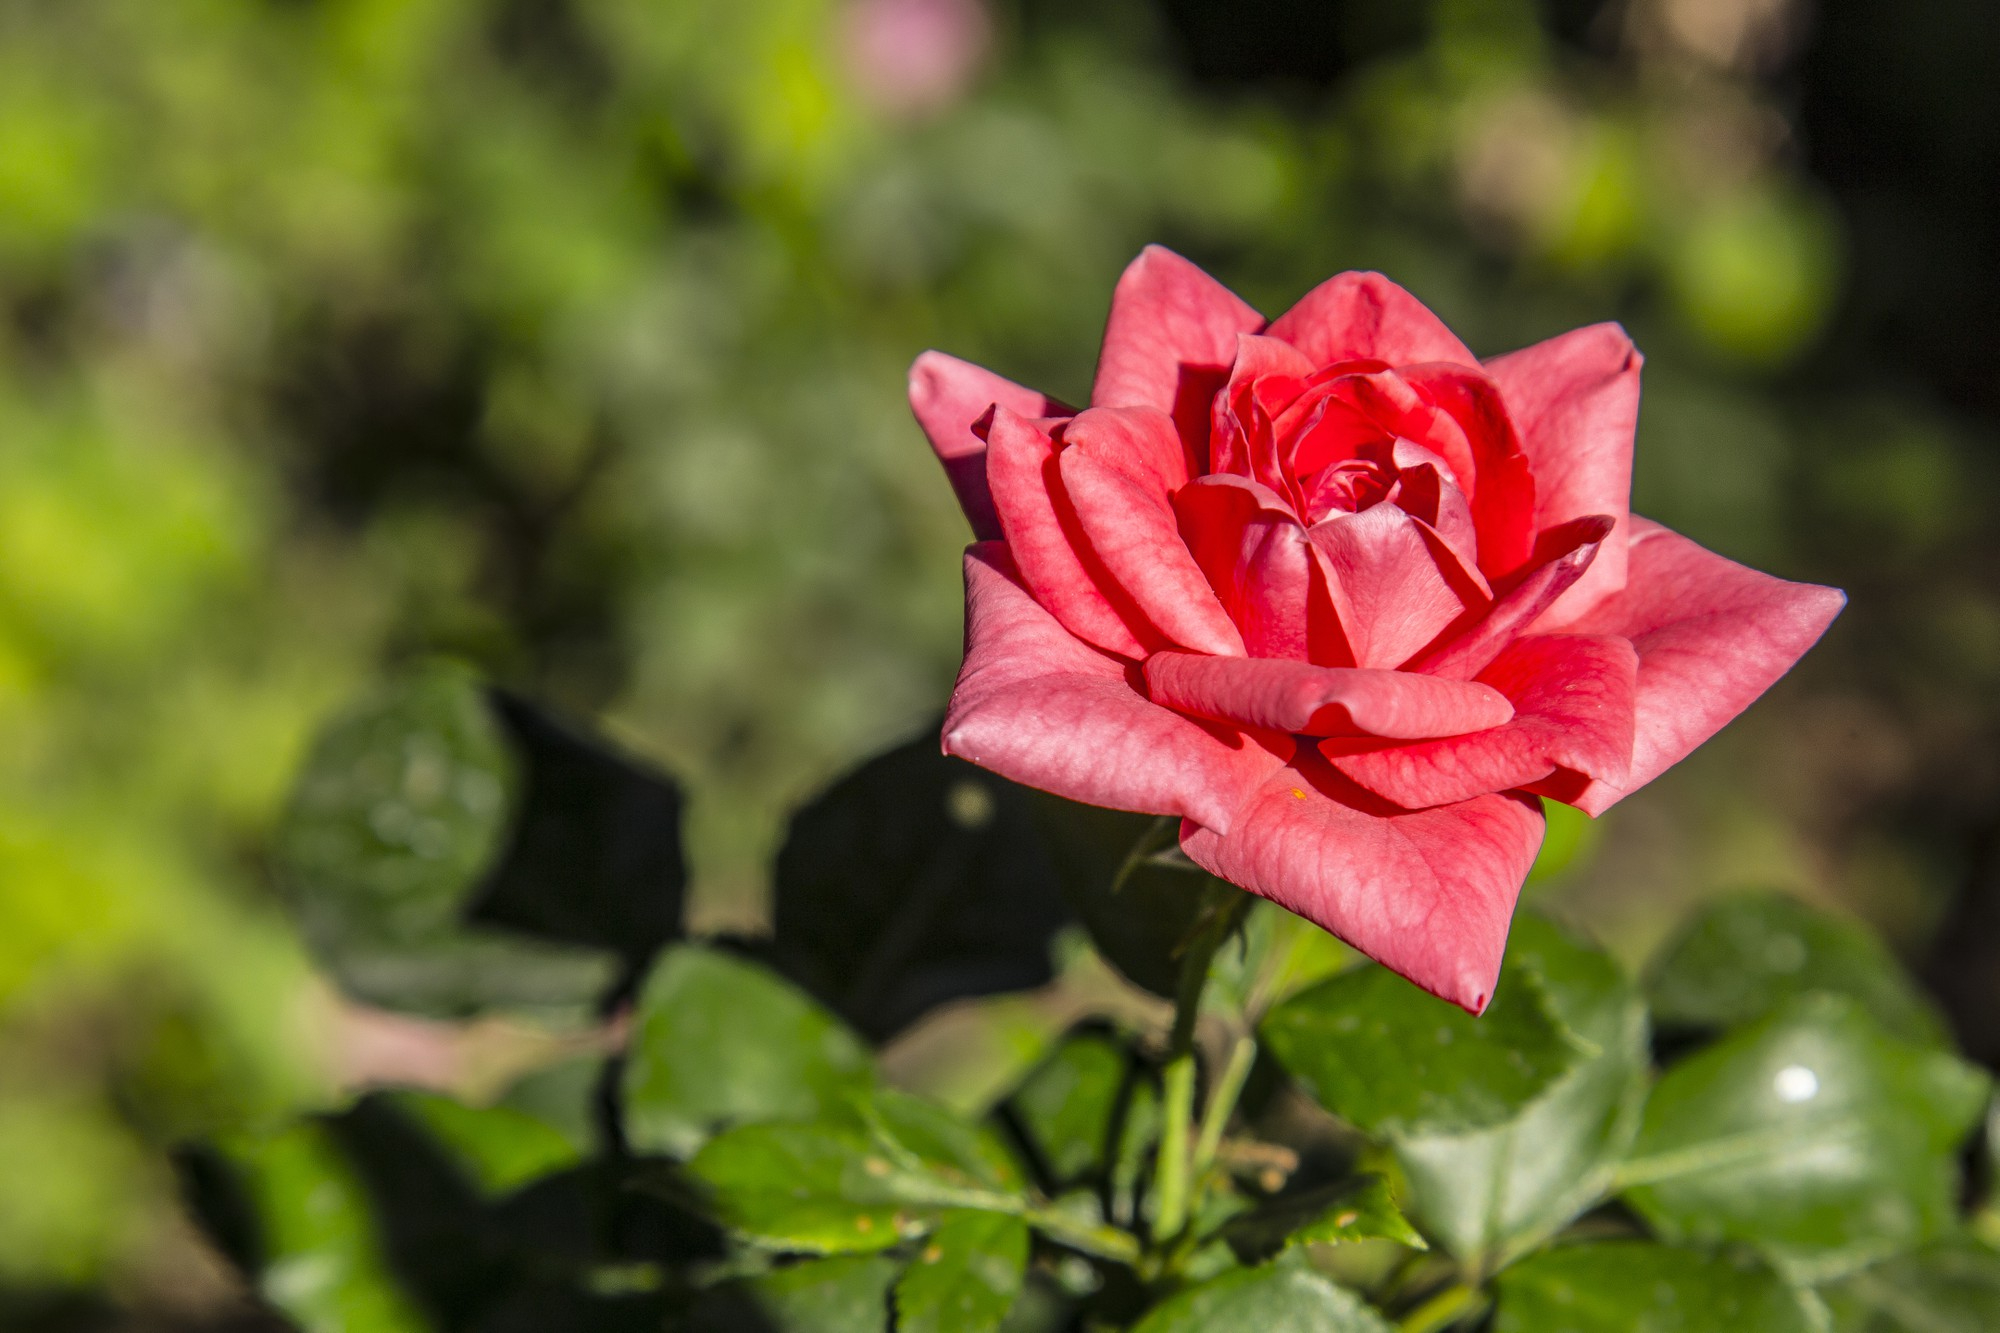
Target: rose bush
x,y
1342,597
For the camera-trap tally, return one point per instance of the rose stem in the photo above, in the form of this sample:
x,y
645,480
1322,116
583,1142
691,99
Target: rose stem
x,y
1170,1172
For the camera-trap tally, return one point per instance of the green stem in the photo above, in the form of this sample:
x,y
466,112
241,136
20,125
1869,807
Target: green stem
x,y
1104,1242
1440,1311
1222,1105
1170,1171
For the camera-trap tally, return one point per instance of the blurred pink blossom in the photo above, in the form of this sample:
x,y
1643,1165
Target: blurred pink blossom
x,y
909,57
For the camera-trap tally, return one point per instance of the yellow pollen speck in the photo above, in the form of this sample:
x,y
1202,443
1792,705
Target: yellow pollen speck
x,y
1346,1219
864,1224
1296,792
932,1254
876,1167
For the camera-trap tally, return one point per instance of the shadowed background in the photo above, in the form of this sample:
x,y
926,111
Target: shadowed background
x,y
567,338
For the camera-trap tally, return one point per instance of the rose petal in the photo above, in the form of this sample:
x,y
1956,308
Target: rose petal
x,y
1264,378
1323,701
1046,540
1711,635
1037,706
1364,316
1120,469
1575,401
1254,554
1169,341
1428,894
1573,709
1391,594
1502,491
947,396
1561,557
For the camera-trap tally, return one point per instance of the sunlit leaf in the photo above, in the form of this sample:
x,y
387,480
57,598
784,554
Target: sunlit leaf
x,y
1640,1287
718,1040
965,1276
1360,1208
1812,1134
1949,1287
1280,1298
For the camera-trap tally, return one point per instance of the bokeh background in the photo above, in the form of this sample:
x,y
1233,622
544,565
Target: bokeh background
x,y
568,338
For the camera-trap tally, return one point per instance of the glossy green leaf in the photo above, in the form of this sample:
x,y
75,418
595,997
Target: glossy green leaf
x,y
720,1041
1283,1297
848,1294
1069,1106
1743,956
836,1186
1275,955
1813,1134
1374,1049
966,1276
1640,1287
1493,1192
1360,1208
1950,1287
323,1262
499,1148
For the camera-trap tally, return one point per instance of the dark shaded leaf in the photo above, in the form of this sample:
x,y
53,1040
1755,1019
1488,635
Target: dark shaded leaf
x,y
1812,1134
1281,1298
1497,1191
398,817
1375,1050
1743,956
965,1277
1640,1287
1359,1208
914,880
1950,1287
1120,873
718,1040
593,856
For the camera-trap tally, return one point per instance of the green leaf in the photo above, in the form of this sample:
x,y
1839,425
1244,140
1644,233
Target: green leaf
x,y
1950,1287
915,880
323,1263
1632,1286
1068,1108
397,818
1273,957
1360,1208
966,1277
833,1187
1499,1191
1744,956
840,1295
498,1148
1284,1297
1391,1059
1812,1134
719,1041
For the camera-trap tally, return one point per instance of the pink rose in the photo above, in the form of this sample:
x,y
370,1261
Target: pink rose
x,y
1340,596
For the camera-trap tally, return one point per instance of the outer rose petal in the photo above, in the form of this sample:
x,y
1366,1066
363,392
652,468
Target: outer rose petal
x,y
1366,317
1045,539
1711,635
1169,340
1573,709
1035,705
1120,470
1575,401
1428,894
1298,697
947,396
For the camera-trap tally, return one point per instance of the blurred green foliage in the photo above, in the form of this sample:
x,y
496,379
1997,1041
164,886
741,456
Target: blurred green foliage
x,y
568,336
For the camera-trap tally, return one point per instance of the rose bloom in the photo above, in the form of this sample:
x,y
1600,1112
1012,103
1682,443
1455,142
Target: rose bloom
x,y
1345,599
